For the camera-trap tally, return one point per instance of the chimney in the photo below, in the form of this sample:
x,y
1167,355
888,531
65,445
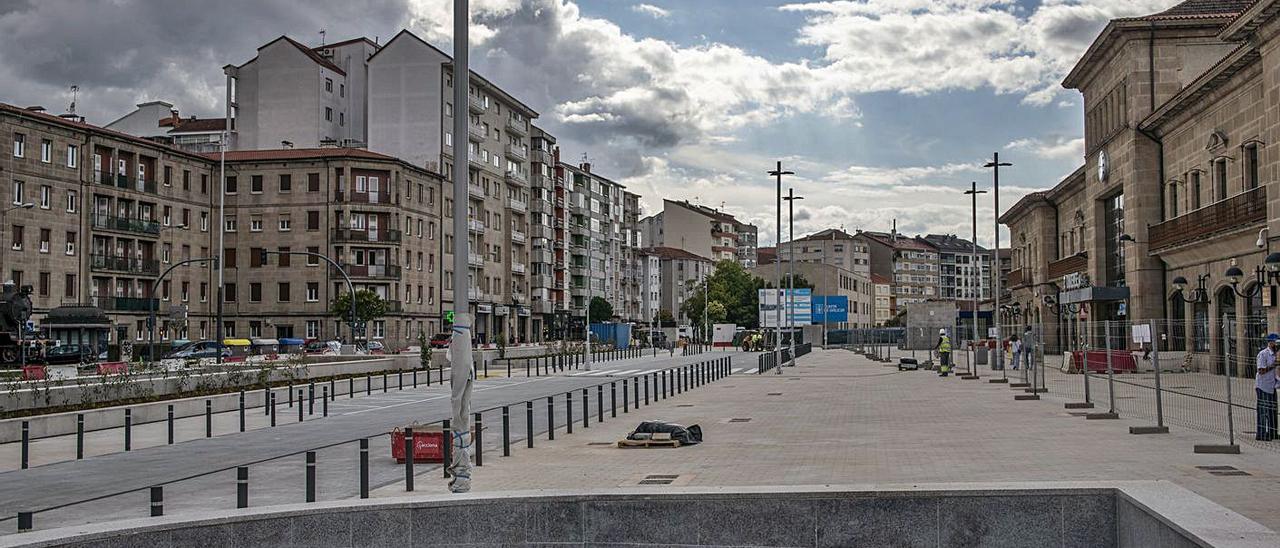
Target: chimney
x,y
586,166
893,234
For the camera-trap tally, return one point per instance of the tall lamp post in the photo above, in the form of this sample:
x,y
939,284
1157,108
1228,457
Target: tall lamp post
x,y
791,267
778,173
973,192
995,164
460,343
22,346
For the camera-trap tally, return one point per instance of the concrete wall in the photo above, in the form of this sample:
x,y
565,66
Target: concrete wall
x,y
405,102
1086,515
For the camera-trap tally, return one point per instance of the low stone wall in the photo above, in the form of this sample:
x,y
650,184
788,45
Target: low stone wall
x,y
1118,514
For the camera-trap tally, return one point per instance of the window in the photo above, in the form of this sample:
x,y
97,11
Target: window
x,y
312,260
166,252
313,220
19,192
255,223
229,294
283,289
313,329
230,223
255,257
1173,202
186,291
342,90
17,239
168,176
1195,189
313,292
69,286
73,156
46,196
44,240
231,185
1251,166
286,182
73,201
284,223
255,184
204,292
255,292
328,85
1220,178
284,257
46,151
229,257
43,284
186,179
255,329
166,217
204,221
328,114
71,243
19,145
313,182
342,119
204,183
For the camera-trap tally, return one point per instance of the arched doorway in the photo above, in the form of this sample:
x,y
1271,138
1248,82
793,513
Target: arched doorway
x,y
1255,329
1176,328
1226,320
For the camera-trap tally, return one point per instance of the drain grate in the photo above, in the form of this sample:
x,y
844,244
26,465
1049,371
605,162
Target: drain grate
x,y
775,393
1212,468
1230,473
685,405
1081,414
601,443
659,479
740,419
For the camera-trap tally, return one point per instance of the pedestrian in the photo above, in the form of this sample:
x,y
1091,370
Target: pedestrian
x,y
943,347
1015,347
1265,386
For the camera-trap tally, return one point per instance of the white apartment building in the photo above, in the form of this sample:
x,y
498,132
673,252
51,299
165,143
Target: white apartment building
x,y
831,246
701,230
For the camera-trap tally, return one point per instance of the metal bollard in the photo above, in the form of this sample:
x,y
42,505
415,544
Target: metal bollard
x,y
664,374
399,380
646,390
414,378
364,468
351,387
613,399
157,501
1111,374
384,382
272,397
551,418
599,403
626,398
324,401
586,409
266,395
568,412
128,429
635,387
300,405
368,385
311,476
26,443
311,398
242,487
448,448
478,440
506,432
242,410
208,418
528,424
333,388
408,459
79,436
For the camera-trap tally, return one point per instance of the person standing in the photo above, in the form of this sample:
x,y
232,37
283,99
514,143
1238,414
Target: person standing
x,y
1015,347
1265,385
944,353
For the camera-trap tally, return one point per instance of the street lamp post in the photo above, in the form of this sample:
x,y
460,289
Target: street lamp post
x,y
460,343
778,173
977,272
791,267
153,304
22,347
995,164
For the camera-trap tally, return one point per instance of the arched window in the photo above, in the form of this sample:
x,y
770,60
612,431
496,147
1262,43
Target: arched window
x,y
1255,325
1225,352
1177,327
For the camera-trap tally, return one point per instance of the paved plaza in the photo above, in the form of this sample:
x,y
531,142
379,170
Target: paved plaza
x,y
838,418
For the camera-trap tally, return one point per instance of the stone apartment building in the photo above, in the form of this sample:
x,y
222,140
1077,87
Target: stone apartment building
x,y
911,264
603,243
883,291
959,277
547,282
701,230
831,246
681,273
159,121
1176,183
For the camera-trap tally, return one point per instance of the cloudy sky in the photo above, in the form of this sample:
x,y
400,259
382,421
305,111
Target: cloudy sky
x,y
885,109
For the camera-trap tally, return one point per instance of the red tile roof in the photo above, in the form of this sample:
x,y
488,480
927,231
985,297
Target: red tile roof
x,y
83,126
319,59
298,153
826,235
674,253
198,125
880,279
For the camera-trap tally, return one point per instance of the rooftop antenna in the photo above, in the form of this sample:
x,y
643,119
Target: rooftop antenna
x,y
75,90
322,33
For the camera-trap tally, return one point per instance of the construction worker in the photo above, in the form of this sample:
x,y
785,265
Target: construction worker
x,y
944,353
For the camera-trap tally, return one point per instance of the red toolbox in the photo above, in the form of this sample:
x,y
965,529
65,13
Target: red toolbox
x,y
428,444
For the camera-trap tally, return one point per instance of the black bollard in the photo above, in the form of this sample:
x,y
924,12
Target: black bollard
x,y
242,410
364,468
384,382
208,418
24,522
242,487
646,390
528,424
324,402
26,443
311,476
79,436
551,418
599,403
128,429
408,459
506,432
626,398
586,409
157,501
266,395
333,388
272,397
568,412
368,385
613,399
448,448
351,387
300,405
399,380
477,442
311,398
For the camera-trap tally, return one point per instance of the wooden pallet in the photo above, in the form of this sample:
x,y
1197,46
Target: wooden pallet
x,y
647,444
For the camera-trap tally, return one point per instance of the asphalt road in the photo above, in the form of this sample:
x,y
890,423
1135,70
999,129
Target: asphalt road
x,y
200,473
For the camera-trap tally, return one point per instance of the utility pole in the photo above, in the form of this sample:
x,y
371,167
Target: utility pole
x,y
791,267
460,343
778,173
977,273
995,164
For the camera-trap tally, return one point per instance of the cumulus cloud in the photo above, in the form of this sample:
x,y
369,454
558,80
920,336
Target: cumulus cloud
x,y
651,10
1057,148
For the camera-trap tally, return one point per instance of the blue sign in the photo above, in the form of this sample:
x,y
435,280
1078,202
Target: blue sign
x,y
830,308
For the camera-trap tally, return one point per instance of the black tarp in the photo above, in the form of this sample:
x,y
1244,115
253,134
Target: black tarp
x,y
686,435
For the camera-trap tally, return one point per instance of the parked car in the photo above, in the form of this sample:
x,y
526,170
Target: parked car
x,y
440,340
69,353
198,349
376,347
315,347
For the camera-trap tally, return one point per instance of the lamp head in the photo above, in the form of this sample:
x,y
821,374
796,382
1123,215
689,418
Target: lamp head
x,y
1179,283
1126,238
1273,262
1234,275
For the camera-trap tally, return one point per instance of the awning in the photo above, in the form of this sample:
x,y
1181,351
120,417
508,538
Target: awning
x,y
295,342
264,342
1093,294
235,342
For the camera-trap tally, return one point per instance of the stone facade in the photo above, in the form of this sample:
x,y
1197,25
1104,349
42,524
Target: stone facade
x,y
834,247
701,230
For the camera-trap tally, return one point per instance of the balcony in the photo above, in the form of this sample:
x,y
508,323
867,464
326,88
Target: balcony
x,y
517,268
476,104
109,263
1015,279
474,161
518,128
125,224
475,260
127,304
476,191
560,203
145,186
475,132
516,152
1068,265
475,226
1245,210
543,307
363,197
378,271
360,235
518,237
542,157
519,297
122,181
517,205
104,178
517,178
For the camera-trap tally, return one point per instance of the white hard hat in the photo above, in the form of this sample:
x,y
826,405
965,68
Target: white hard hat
x,y
942,331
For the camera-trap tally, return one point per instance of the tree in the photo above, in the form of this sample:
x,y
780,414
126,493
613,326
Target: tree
x,y
369,306
665,319
600,310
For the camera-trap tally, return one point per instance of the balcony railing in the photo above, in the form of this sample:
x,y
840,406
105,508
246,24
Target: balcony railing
x,y
127,304
381,271
363,197
109,263
518,268
517,152
475,190
475,260
517,178
125,224
520,128
476,104
390,236
518,237
1239,211
517,205
542,157
1068,265
475,132
475,225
